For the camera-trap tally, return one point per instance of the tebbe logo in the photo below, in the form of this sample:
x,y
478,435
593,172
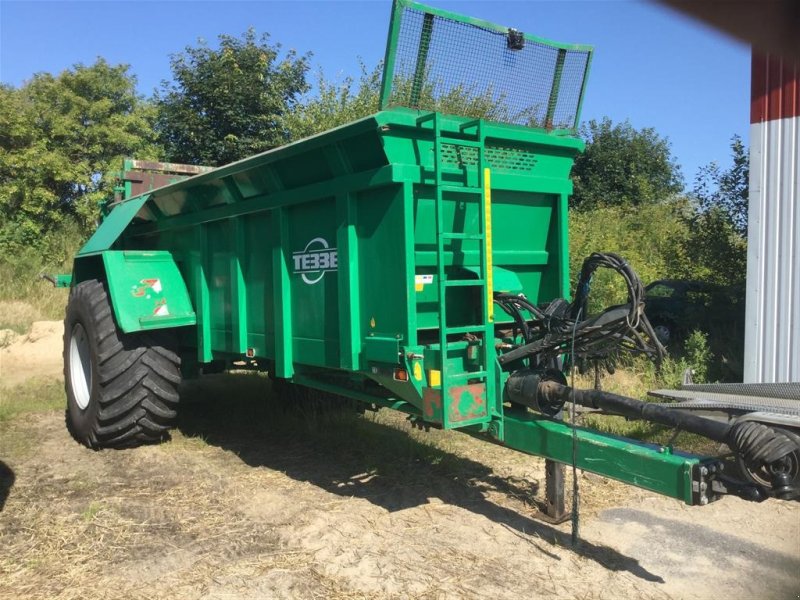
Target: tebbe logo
x,y
315,260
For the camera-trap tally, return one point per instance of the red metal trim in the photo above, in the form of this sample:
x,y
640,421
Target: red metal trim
x,y
775,87
791,92
143,181
476,392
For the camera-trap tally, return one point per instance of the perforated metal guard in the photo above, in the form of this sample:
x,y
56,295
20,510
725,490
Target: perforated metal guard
x,y
441,61
499,158
781,398
787,390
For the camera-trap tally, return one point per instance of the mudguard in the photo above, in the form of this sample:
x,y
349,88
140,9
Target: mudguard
x,y
147,290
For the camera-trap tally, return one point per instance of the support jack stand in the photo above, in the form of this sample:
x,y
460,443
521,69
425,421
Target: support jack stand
x,y
555,511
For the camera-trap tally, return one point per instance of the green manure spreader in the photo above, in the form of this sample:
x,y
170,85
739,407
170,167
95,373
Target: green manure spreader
x,y
415,259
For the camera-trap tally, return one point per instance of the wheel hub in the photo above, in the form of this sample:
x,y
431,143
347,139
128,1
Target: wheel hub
x,y
662,333
80,366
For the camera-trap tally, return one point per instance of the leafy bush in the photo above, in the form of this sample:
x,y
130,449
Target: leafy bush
x,y
698,355
336,104
651,238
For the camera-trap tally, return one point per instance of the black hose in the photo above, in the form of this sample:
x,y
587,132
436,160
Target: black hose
x,y
507,305
558,329
755,442
615,262
550,391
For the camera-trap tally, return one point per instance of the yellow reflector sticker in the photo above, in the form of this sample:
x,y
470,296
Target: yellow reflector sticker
x,y
417,372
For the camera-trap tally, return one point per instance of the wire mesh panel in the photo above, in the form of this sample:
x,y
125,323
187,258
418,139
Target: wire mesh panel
x,y
437,60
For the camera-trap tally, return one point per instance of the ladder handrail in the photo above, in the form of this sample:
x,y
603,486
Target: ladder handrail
x,y
486,369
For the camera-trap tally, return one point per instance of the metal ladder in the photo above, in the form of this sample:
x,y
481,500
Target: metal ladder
x,y
485,372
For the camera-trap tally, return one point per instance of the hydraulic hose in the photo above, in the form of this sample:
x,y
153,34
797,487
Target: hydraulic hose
x,y
551,391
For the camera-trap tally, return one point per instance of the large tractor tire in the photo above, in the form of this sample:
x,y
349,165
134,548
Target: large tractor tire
x,y
122,389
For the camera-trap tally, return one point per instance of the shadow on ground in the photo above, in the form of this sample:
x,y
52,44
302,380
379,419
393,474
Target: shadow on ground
x,y
353,456
7,479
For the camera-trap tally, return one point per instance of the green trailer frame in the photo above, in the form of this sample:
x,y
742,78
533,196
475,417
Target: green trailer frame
x,y
362,262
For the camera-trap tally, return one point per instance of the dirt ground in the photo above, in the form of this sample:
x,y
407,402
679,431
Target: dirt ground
x,y
246,501
37,353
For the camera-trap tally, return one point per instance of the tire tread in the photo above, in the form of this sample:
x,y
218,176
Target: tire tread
x,y
137,376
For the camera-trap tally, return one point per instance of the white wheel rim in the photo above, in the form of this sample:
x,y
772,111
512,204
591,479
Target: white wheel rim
x,y
662,333
80,366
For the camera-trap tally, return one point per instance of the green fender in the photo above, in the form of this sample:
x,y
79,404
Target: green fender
x,y
146,288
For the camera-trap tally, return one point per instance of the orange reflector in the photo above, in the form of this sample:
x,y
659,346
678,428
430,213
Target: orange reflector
x,y
401,375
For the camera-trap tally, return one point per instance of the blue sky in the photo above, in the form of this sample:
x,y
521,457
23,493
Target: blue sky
x,y
651,66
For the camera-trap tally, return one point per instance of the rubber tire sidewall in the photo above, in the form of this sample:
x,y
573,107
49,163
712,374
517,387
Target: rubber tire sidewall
x,y
82,421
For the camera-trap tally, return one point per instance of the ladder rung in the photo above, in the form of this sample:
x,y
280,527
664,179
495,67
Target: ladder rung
x,y
460,189
465,329
461,142
464,282
468,375
451,235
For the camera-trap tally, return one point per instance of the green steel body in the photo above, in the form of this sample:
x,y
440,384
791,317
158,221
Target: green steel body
x,y
362,261
356,261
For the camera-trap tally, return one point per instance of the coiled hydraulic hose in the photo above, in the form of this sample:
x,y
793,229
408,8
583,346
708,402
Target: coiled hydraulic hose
x,y
558,328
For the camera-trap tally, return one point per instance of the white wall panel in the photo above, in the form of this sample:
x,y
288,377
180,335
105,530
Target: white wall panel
x,y
772,320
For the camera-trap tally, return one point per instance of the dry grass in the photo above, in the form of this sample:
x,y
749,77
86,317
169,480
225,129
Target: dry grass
x,y
16,316
100,524
251,501
38,301
24,296
111,524
35,396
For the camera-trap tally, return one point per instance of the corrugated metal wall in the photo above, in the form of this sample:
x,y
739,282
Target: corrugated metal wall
x,y
772,327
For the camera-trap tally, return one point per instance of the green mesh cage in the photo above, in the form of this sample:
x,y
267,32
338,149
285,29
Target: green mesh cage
x,y
438,60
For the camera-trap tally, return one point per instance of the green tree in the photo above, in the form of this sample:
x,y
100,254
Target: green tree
x,y
623,166
227,103
718,252
59,135
336,104
726,189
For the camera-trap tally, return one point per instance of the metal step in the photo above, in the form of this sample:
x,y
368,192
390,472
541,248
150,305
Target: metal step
x,y
788,390
461,189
